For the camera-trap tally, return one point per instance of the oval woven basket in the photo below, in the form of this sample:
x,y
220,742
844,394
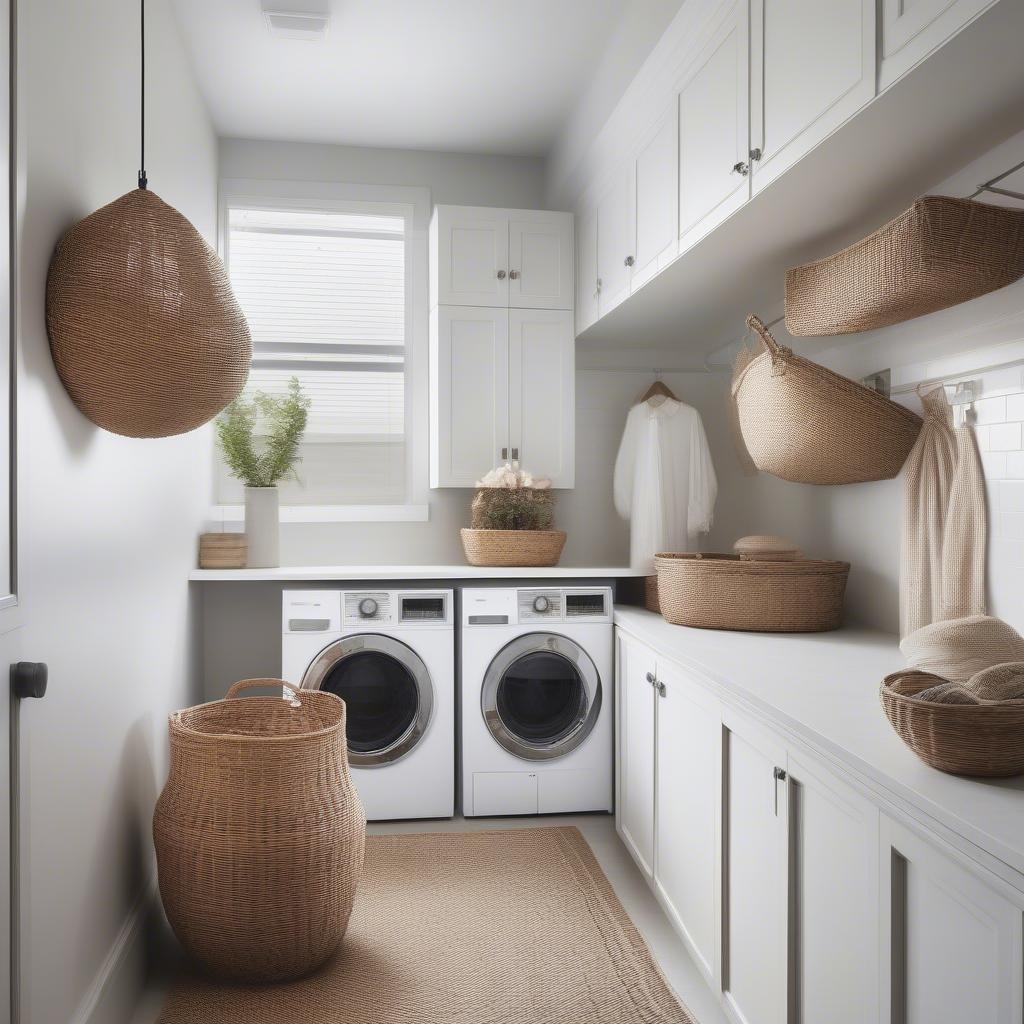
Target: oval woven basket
x,y
513,547
940,252
804,423
984,740
717,591
145,331
259,832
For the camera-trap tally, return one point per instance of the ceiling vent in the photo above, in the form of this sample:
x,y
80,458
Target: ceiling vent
x,y
297,24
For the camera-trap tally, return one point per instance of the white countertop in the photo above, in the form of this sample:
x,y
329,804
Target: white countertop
x,y
824,688
414,572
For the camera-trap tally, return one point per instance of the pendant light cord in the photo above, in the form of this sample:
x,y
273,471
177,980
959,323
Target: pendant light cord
x,y
143,180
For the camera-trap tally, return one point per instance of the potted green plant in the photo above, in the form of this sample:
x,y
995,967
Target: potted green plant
x,y
259,439
512,516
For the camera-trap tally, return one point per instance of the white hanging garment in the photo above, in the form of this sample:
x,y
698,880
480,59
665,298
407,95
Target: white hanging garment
x,y
665,482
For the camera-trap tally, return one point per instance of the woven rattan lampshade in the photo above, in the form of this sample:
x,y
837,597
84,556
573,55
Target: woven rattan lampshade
x,y
145,331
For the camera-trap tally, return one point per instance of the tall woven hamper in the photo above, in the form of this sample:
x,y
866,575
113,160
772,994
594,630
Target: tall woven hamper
x,y
259,832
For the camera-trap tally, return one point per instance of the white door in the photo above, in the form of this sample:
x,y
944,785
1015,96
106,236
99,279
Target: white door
x,y
714,131
951,944
656,186
472,256
913,29
615,241
541,388
688,811
540,261
468,394
755,874
634,750
812,67
586,270
834,874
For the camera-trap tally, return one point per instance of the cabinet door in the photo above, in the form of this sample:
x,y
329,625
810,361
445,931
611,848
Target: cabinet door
x,y
540,260
634,750
912,29
688,811
586,270
755,875
834,887
615,241
656,185
472,256
468,394
952,944
714,131
541,387
812,67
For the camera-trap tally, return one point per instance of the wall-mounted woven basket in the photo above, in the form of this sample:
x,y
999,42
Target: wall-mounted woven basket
x,y
804,423
716,591
985,740
940,252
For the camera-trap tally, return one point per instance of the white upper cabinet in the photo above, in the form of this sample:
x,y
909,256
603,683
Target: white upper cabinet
x,y
912,29
714,131
616,242
491,257
812,67
656,192
586,269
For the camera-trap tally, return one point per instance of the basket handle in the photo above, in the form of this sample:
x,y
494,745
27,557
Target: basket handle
x,y
779,353
250,684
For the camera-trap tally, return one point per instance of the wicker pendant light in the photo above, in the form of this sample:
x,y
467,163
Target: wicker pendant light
x,y
145,331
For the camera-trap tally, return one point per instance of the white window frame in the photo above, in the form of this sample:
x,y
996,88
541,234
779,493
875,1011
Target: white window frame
x,y
413,204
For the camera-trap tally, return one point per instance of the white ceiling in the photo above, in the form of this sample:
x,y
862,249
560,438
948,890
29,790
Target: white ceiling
x,y
487,76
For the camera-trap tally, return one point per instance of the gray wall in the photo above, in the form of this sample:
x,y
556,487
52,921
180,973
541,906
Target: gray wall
x,y
110,523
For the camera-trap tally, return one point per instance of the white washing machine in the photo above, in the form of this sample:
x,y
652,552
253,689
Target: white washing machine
x,y
537,669
390,655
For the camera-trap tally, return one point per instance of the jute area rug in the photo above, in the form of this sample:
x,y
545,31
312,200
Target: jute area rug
x,y
511,927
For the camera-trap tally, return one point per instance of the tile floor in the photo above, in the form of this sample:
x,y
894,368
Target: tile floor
x,y
629,885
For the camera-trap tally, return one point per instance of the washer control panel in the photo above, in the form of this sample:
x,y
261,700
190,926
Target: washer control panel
x,y
537,605
500,607
363,606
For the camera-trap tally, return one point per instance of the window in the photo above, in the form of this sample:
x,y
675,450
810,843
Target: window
x,y
326,292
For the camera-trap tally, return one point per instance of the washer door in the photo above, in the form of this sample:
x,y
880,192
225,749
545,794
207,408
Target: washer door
x,y
541,696
387,693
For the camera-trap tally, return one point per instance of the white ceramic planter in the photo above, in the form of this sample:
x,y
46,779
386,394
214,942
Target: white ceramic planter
x,y
262,527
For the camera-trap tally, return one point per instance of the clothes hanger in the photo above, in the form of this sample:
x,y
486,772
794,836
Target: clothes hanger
x,y
658,390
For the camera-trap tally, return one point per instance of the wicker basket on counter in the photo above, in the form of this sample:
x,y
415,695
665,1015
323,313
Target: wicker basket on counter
x,y
983,740
717,591
508,548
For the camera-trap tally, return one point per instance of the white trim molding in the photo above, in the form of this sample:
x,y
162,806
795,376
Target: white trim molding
x,y
234,515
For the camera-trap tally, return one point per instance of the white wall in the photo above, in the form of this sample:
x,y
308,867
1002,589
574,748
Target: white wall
x,y
110,523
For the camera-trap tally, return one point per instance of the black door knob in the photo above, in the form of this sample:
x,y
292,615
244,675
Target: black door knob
x,y
28,679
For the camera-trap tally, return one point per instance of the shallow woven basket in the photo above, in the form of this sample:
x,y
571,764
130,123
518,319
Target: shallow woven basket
x,y
259,832
804,423
940,252
716,591
145,331
985,740
513,547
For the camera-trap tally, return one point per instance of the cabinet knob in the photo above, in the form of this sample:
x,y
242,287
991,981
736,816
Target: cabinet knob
x,y
741,168
28,679
660,687
650,678
504,453
629,261
756,154
779,774
599,286
513,275
515,454
501,275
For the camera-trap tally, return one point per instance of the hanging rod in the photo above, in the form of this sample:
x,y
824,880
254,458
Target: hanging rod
x,y
987,186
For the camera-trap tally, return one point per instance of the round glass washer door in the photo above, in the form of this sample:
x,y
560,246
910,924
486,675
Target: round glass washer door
x,y
387,693
541,696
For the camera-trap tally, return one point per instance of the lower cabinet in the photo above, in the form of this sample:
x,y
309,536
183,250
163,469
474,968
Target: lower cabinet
x,y
800,899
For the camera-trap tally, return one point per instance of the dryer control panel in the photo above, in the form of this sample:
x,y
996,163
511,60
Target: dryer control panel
x,y
500,607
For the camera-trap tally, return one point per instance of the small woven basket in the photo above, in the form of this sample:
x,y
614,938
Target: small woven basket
x,y
259,832
804,423
716,591
983,740
940,252
513,547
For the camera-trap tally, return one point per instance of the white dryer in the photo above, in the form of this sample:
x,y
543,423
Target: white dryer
x,y
390,655
537,714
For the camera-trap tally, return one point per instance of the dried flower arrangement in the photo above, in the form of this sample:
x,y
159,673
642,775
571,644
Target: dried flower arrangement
x,y
509,498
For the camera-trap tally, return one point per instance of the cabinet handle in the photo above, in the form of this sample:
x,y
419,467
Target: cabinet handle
x,y
501,275
779,775
515,454
660,687
650,678
629,261
513,275
741,168
504,453
756,154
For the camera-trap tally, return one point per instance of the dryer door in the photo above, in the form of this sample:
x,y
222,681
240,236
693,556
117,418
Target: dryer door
x,y
387,693
541,696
